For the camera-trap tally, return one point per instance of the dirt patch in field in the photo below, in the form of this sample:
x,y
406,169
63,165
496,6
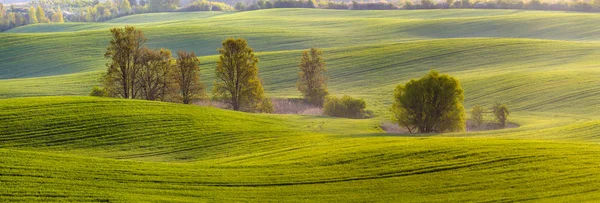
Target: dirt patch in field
x,y
280,106
393,128
295,106
488,126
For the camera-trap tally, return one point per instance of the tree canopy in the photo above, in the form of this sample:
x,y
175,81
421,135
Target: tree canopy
x,y
501,112
433,103
187,77
313,82
237,72
124,51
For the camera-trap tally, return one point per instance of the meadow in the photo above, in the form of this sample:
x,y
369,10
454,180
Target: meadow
x,y
57,144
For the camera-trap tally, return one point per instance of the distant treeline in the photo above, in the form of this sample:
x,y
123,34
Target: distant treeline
x,y
58,11
583,6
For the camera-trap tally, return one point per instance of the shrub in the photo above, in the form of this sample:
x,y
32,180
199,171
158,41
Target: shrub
x,y
346,107
433,103
98,92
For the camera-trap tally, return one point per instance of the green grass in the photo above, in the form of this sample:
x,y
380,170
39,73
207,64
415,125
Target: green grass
x,y
90,149
543,65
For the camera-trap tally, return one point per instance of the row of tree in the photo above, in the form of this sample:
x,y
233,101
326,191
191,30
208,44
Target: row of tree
x,y
94,10
136,72
10,19
433,103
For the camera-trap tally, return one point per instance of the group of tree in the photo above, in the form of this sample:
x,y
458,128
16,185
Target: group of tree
x,y
434,104
431,104
312,83
137,72
203,5
94,10
13,17
499,111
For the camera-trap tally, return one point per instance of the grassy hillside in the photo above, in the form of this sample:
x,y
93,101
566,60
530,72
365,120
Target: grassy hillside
x,y
541,64
305,28
83,146
389,47
529,75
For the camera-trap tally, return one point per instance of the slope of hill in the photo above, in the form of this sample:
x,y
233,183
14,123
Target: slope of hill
x,y
529,75
80,145
305,28
541,64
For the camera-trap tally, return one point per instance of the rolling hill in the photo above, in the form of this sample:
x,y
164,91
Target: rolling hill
x,y
90,149
58,145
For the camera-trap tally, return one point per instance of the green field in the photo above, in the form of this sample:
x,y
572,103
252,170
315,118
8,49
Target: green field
x,y
58,145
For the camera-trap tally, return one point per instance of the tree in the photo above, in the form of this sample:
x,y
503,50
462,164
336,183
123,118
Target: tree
x,y
239,6
125,7
501,112
32,18
466,3
2,11
237,71
433,103
268,4
41,15
156,5
106,14
477,115
125,53
154,77
187,77
312,82
57,17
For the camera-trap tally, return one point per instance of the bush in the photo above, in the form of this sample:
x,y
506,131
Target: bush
x,y
433,103
346,107
98,92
